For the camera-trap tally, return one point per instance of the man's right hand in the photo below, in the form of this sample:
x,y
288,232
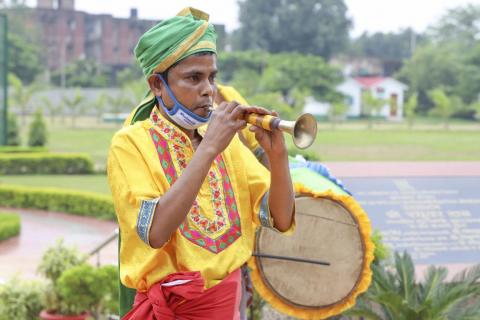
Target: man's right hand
x,y
227,119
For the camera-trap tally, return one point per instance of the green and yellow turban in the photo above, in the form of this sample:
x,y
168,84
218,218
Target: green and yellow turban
x,y
168,42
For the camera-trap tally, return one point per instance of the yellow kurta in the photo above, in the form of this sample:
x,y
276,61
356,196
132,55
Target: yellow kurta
x,y
217,236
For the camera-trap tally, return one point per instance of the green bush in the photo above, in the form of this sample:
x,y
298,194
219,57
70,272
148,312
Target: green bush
x,y
45,163
80,289
13,137
57,259
37,134
58,200
9,225
19,149
20,299
75,287
109,277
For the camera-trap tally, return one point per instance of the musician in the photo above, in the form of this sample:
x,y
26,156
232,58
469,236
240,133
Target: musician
x,y
188,194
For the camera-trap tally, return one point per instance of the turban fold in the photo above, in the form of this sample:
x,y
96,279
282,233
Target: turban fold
x,y
168,42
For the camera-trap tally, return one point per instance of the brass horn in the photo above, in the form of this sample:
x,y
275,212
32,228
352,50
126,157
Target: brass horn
x,y
303,130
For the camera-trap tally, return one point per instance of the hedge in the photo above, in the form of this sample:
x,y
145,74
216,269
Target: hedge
x,y
58,200
13,149
9,225
45,163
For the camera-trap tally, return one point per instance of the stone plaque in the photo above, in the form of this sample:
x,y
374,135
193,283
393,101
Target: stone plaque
x,y
436,219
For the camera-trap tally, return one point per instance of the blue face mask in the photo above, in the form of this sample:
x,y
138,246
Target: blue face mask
x,y
180,114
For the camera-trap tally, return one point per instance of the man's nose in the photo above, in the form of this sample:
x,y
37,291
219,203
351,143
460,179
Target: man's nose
x,y
208,88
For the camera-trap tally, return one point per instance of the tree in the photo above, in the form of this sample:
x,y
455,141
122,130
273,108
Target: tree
x,y
336,111
24,58
37,135
459,25
50,107
443,105
410,108
13,136
74,104
318,27
468,86
83,73
476,108
288,76
395,295
392,49
118,103
24,46
100,104
431,67
21,94
371,106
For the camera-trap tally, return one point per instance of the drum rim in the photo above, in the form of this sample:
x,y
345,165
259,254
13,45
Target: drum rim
x,y
306,307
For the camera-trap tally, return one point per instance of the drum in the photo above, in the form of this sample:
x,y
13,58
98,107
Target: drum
x,y
319,270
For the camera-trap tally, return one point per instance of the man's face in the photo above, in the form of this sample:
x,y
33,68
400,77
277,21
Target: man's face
x,y
193,83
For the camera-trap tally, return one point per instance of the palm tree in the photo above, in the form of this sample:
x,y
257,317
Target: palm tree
x,y
395,295
100,104
371,106
444,105
21,94
74,104
410,107
52,108
336,112
118,103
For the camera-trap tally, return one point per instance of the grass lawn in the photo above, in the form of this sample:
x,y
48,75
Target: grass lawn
x,y
349,141
397,145
92,183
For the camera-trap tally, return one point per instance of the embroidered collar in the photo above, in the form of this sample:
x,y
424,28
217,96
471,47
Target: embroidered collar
x,y
171,131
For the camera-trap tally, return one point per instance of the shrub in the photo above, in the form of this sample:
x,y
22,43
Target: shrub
x,y
57,259
80,289
76,287
18,149
20,299
9,225
13,138
109,277
37,135
45,163
50,199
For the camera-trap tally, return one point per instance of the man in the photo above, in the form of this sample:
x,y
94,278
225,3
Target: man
x,y
188,197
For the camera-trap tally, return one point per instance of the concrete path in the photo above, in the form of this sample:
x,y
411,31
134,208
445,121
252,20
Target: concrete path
x,y
40,230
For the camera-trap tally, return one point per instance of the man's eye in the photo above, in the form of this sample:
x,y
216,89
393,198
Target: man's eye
x,y
194,78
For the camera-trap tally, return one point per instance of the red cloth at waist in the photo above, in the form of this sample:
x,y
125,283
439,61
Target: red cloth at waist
x,y
168,301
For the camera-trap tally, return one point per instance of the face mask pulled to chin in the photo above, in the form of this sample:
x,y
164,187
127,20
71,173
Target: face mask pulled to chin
x,y
180,114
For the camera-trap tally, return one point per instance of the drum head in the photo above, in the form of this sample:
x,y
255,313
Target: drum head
x,y
325,231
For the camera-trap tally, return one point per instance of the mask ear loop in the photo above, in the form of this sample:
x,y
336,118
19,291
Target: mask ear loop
x,y
178,105
172,96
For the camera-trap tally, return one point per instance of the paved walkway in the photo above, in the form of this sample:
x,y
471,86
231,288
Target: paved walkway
x,y
40,230
404,169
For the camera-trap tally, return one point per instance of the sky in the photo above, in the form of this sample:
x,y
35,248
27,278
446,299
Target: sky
x,y
367,15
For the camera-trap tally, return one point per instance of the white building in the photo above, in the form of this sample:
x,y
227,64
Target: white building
x,y
388,89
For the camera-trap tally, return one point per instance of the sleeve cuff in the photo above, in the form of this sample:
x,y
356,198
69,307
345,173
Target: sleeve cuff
x,y
266,219
145,217
259,152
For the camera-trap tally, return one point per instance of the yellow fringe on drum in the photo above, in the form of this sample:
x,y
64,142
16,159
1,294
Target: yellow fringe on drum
x,y
365,277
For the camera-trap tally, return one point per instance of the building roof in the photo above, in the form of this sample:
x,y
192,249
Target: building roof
x,y
369,82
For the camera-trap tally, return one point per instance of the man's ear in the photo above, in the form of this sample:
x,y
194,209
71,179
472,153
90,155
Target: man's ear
x,y
155,85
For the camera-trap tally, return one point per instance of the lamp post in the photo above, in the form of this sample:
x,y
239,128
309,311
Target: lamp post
x,y
3,78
